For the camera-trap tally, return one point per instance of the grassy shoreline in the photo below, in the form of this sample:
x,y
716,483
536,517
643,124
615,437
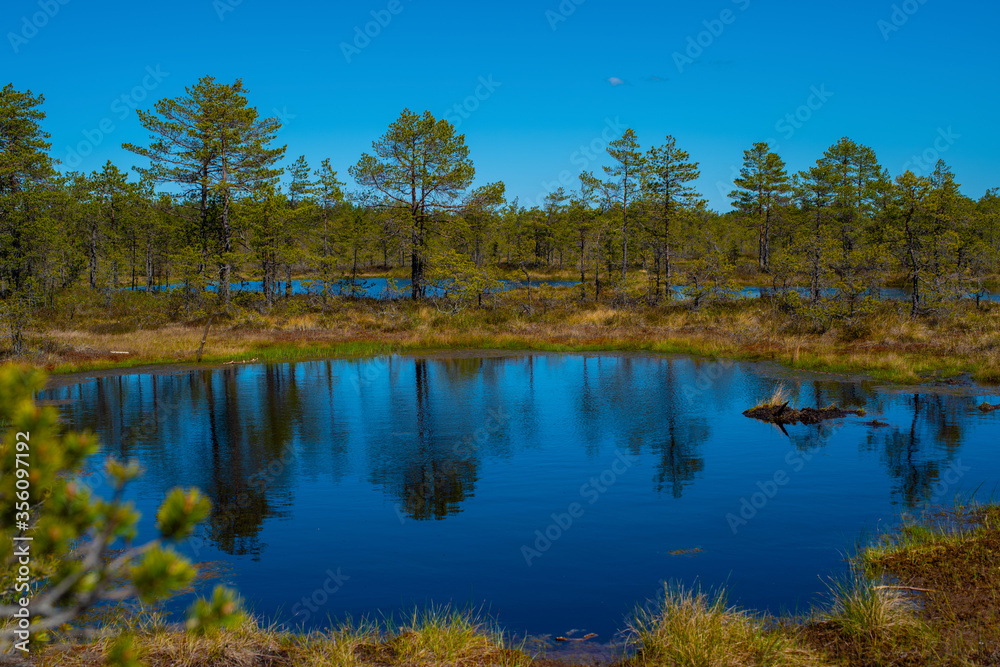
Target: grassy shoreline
x,y
927,595
924,594
142,330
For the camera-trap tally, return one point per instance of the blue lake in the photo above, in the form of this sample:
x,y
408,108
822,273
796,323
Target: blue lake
x,y
378,288
371,288
555,491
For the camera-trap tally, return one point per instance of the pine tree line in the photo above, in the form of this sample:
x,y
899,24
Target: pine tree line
x,y
210,209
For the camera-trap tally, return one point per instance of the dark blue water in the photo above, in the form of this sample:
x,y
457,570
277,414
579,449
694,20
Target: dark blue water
x,y
556,491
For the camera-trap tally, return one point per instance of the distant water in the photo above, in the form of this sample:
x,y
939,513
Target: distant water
x,y
373,288
555,491
378,288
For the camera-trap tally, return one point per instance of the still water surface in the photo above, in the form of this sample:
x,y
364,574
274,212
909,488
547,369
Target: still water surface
x,y
378,288
557,491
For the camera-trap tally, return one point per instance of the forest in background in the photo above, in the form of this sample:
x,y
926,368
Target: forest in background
x,y
218,204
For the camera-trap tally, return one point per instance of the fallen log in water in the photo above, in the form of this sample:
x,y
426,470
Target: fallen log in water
x,y
783,415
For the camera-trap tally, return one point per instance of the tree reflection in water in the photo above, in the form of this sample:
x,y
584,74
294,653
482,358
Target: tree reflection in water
x,y
420,429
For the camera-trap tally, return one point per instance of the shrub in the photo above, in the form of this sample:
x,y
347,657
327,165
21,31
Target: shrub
x,y
67,551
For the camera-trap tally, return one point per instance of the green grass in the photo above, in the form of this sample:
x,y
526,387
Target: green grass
x,y
443,635
436,636
924,595
871,609
695,628
81,330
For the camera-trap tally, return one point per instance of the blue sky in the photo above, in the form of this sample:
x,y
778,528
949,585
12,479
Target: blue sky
x,y
554,79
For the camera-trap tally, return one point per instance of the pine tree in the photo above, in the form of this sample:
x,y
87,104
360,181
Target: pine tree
x,y
25,172
668,172
625,180
217,147
328,190
25,168
761,188
913,225
264,216
850,177
421,167
816,238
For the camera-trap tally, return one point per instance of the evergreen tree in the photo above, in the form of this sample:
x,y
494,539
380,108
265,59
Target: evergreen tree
x,y
913,227
761,188
666,182
624,181
420,166
217,147
25,172
25,168
329,193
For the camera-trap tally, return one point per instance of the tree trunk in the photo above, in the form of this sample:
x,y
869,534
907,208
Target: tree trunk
x,y
149,268
657,259
225,267
597,269
93,257
416,268
204,218
767,241
910,243
624,243
667,287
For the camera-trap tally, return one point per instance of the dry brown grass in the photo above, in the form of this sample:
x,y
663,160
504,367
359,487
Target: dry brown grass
x,y
891,346
433,638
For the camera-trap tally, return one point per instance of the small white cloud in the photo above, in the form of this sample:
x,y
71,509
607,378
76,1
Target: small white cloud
x,y
615,81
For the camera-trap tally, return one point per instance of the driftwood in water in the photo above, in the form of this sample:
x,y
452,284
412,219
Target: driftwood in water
x,y
782,414
589,635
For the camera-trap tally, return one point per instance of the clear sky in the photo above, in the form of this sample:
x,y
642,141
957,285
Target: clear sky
x,y
915,78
